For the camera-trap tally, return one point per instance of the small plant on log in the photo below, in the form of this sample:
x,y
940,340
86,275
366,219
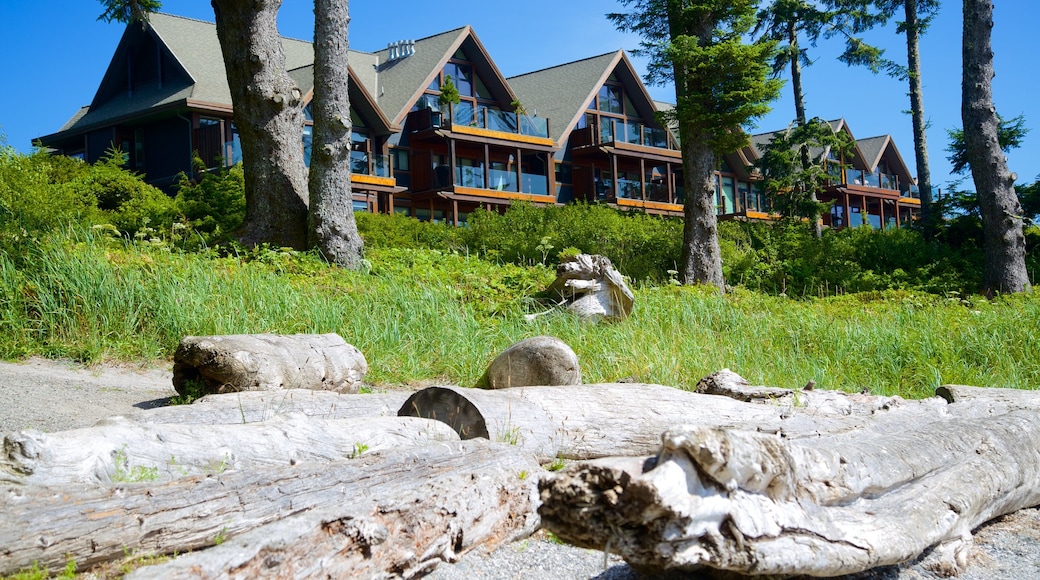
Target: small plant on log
x,y
126,474
194,389
359,449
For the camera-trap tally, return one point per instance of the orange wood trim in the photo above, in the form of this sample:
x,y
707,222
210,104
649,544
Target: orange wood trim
x,y
477,131
909,201
494,193
372,179
758,215
658,205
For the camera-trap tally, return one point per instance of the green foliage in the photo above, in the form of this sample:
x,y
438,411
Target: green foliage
x,y
125,473
721,83
641,246
193,391
400,231
127,11
1010,135
449,93
795,164
213,204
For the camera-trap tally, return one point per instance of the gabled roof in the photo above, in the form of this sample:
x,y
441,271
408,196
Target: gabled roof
x,y
403,80
761,140
563,93
199,78
361,101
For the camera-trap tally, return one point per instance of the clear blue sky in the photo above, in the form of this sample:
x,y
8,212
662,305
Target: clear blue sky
x,y
56,53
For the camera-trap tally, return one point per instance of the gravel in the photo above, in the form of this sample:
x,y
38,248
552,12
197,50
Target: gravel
x,y
53,396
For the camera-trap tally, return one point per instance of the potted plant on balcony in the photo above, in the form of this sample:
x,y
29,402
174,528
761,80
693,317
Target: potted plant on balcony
x,y
449,96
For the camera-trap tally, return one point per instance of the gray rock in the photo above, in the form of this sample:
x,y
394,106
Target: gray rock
x,y
540,360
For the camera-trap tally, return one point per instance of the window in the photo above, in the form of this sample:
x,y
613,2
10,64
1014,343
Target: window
x,y
610,99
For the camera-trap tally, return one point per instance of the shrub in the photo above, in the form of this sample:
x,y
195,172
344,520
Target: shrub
x,y
213,205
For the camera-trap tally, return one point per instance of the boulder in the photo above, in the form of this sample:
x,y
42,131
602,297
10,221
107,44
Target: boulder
x,y
267,362
540,360
592,288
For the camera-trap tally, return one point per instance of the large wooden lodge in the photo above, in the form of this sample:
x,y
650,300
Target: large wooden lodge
x,y
584,130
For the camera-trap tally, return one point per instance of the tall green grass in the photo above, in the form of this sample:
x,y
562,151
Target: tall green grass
x,y
423,315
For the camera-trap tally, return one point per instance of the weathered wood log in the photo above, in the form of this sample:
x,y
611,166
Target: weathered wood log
x,y
839,503
729,384
402,533
1015,398
51,525
589,421
119,450
264,362
254,406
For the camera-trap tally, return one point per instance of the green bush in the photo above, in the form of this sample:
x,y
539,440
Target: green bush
x,y
213,205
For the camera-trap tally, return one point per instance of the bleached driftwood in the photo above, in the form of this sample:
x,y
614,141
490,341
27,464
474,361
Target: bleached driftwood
x,y
729,384
118,449
264,362
254,406
599,420
835,503
379,514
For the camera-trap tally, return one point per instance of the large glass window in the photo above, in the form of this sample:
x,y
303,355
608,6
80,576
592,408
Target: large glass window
x,y
610,99
534,174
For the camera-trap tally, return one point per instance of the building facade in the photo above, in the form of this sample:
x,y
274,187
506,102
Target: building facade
x,y
581,131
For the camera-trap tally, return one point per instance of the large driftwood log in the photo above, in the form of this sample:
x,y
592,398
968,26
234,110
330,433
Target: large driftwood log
x,y
264,362
395,511
119,450
403,532
837,503
254,406
589,421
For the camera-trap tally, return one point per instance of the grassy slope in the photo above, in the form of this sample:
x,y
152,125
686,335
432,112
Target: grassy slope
x,y
423,315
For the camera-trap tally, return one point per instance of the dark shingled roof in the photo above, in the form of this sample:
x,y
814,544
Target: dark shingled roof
x,y
562,93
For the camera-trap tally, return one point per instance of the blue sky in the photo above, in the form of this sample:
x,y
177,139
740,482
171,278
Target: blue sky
x,y
56,53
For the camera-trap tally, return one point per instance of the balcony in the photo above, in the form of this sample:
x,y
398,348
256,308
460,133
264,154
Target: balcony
x,y
876,179
362,163
464,117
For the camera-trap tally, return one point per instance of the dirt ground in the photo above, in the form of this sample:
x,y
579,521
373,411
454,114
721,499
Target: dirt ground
x,y
53,396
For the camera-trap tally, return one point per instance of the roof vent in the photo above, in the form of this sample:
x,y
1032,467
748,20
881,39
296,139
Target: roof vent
x,y
400,49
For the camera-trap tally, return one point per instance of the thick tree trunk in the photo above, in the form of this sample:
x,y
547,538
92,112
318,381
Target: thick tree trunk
x,y
838,502
120,450
995,184
796,73
267,362
701,259
255,406
375,516
913,59
269,120
332,227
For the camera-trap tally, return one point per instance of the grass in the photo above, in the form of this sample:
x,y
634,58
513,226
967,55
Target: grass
x,y
421,315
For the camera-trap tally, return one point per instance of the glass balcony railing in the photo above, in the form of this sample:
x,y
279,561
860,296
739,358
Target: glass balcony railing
x,y
362,163
616,130
909,190
876,179
483,117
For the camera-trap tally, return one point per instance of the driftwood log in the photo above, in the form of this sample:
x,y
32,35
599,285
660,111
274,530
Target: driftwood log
x,y
627,419
381,514
120,450
255,406
852,496
265,362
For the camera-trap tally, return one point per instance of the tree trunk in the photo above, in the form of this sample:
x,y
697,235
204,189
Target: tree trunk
x,y
269,120
1001,212
701,259
121,450
375,516
913,59
255,406
267,362
796,73
332,227
837,502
